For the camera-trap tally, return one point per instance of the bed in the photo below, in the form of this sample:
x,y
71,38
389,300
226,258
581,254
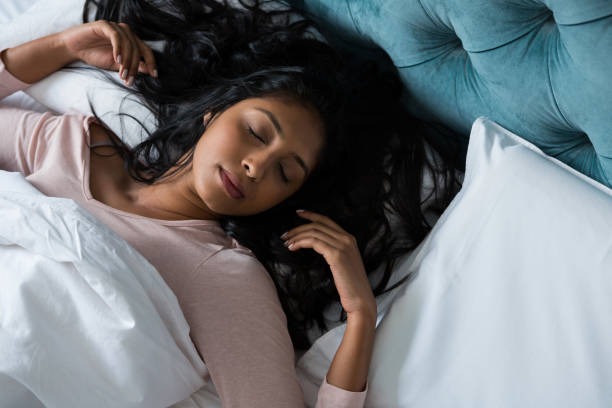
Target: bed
x,y
510,304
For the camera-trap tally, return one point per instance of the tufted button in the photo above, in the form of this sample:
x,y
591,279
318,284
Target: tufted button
x,y
408,34
486,24
539,68
576,12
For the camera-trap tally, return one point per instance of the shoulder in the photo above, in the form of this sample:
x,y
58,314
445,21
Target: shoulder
x,y
65,131
237,264
101,134
236,279
236,268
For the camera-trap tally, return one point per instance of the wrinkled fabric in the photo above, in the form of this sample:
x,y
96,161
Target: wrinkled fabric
x,y
509,305
224,292
84,319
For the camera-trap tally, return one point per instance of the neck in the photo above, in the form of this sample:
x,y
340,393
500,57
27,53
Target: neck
x,y
172,198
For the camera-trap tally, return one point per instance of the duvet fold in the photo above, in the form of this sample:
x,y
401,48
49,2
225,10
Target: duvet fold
x,y
85,320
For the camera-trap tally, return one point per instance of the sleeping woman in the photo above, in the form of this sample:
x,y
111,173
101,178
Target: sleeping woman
x,y
263,195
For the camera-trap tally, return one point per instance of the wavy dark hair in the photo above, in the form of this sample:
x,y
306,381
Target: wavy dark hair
x,y
371,170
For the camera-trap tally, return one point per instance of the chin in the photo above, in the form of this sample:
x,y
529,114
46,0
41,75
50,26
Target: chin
x,y
224,208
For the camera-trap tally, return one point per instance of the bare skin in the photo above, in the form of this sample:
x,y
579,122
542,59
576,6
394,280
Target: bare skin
x,y
267,166
199,191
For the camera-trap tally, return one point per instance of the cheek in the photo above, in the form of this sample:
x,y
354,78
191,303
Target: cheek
x,y
212,152
272,195
212,148
266,198
205,174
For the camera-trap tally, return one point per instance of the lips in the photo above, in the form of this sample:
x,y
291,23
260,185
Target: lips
x,y
231,184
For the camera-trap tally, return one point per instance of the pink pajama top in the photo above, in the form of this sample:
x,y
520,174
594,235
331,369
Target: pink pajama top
x,y
229,300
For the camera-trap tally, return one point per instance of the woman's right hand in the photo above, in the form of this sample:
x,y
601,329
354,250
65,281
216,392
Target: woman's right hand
x,y
341,252
111,46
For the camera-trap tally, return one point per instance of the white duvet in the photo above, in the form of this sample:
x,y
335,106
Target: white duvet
x,y
85,321
510,306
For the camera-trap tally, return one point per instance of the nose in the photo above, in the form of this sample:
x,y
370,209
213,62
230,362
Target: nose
x,y
255,166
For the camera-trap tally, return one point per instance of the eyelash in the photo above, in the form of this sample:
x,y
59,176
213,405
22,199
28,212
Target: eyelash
x,y
282,172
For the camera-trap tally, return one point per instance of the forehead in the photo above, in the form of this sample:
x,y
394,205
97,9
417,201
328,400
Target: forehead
x,y
301,127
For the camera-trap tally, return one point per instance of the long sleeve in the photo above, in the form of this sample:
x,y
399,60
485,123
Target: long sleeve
x,y
24,134
236,319
240,330
331,396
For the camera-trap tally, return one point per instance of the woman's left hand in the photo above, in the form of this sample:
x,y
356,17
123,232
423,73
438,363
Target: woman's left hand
x,y
109,45
340,250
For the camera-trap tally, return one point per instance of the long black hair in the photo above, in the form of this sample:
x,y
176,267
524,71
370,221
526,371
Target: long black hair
x,y
369,178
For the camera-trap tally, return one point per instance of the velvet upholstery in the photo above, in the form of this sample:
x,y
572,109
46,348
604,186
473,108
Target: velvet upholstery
x,y
541,69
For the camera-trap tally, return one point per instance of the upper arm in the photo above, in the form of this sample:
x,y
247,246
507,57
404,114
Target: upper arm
x,y
20,129
240,329
22,141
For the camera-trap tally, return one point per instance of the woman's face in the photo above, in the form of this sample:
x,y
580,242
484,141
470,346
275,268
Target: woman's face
x,y
266,147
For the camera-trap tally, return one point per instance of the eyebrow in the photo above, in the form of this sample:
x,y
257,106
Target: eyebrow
x,y
279,130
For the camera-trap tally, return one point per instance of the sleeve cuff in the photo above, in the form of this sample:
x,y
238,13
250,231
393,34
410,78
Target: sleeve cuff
x,y
332,396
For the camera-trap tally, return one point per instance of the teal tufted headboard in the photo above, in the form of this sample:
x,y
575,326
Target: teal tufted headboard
x,y
540,68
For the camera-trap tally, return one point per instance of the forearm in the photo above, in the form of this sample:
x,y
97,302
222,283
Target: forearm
x,y
32,61
349,368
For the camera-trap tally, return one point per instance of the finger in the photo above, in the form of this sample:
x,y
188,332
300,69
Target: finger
x,y
142,68
320,235
148,56
126,51
125,48
135,57
320,218
312,227
323,248
114,38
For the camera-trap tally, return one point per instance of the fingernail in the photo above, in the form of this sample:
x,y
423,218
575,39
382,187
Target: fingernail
x,y
131,81
290,245
155,73
119,59
300,211
124,74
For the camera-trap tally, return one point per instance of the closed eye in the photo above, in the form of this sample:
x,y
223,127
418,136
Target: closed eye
x,y
282,173
280,166
256,136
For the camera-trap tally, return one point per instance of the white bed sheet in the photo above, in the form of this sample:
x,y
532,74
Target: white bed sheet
x,y
511,303
85,320
9,10
509,307
12,8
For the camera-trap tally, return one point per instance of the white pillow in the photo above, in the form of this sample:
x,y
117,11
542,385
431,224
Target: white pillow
x,y
9,9
444,343
64,91
511,304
